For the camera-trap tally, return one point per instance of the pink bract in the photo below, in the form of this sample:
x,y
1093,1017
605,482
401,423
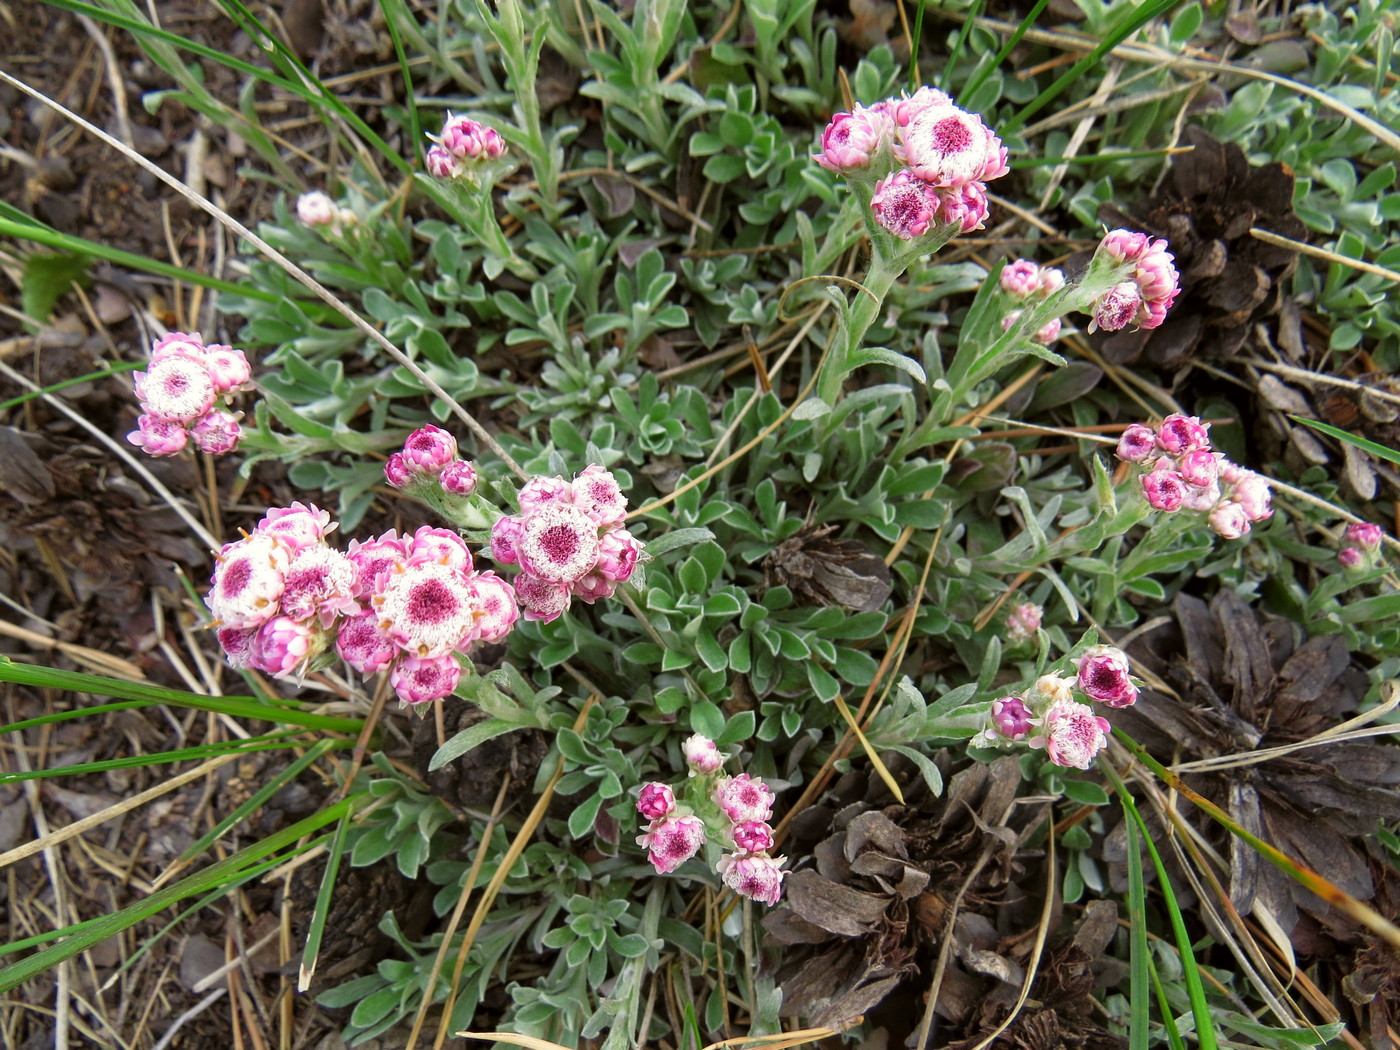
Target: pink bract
x,y
299,526
363,645
1011,717
753,836
282,645
655,801
498,609
442,546
593,587
1254,494
559,543
506,535
1124,245
1137,443
428,449
1165,490
905,205
216,433
1364,534
618,552
701,754
1023,621
541,491
907,108
1020,278
541,600
1351,558
159,437
1199,468
743,798
852,139
397,472
178,344
759,878
966,205
672,841
1071,734
372,558
419,679
458,478
441,164
229,368
1178,434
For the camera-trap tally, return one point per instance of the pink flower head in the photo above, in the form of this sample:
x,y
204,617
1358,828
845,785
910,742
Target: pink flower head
x,y
1164,489
428,608
905,205
1253,493
541,600
1179,434
964,205
1103,676
316,209
753,836
1071,734
1203,500
373,557
237,645
656,801
1052,280
179,344
1023,621
851,140
217,432
1156,273
950,147
1230,473
282,645
1229,520
1020,278
228,368
906,109
701,754
1124,245
743,798
470,140
397,471
177,388
1011,717
1350,558
596,492
593,587
1048,333
618,552
559,543
757,877
1365,535
441,164
159,436
671,841
506,534
320,582
1116,308
542,491
442,546
458,478
1137,443
363,644
429,449
299,526
495,598
248,581
1199,468
418,679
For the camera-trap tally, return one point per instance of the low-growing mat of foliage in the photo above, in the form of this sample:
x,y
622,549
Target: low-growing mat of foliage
x,y
675,525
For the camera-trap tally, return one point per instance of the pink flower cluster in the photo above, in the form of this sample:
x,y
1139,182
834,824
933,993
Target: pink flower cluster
x,y
1183,472
1363,543
462,145
282,596
1029,284
184,395
1023,622
745,804
947,155
1049,716
429,457
1146,291
569,542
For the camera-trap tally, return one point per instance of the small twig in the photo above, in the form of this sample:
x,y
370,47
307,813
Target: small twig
x,y
1303,248
189,1015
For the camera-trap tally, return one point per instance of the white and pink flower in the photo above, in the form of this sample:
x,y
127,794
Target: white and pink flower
x,y
755,876
657,800
702,754
418,679
248,579
316,209
299,526
743,798
320,582
671,841
1071,734
498,610
905,205
428,608
1104,676
559,543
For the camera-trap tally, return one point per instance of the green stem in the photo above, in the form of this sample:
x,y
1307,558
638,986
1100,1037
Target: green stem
x,y
857,321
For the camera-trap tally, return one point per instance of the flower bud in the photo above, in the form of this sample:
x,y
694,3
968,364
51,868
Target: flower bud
x,y
1011,717
756,877
671,841
1164,489
655,801
1103,676
701,754
1137,443
1198,468
753,836
1229,520
1179,434
1365,535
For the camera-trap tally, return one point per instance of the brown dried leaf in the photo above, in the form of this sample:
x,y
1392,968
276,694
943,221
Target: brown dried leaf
x,y
839,909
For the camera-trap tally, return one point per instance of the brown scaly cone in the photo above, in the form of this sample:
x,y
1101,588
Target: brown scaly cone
x,y
867,906
1230,280
1247,682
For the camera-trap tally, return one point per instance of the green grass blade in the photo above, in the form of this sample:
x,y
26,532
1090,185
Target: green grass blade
x,y
286,712
83,937
979,78
273,785
27,230
1138,958
124,366
1140,18
277,742
415,129
1174,1039
916,81
1195,988
323,904
1365,444
946,80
